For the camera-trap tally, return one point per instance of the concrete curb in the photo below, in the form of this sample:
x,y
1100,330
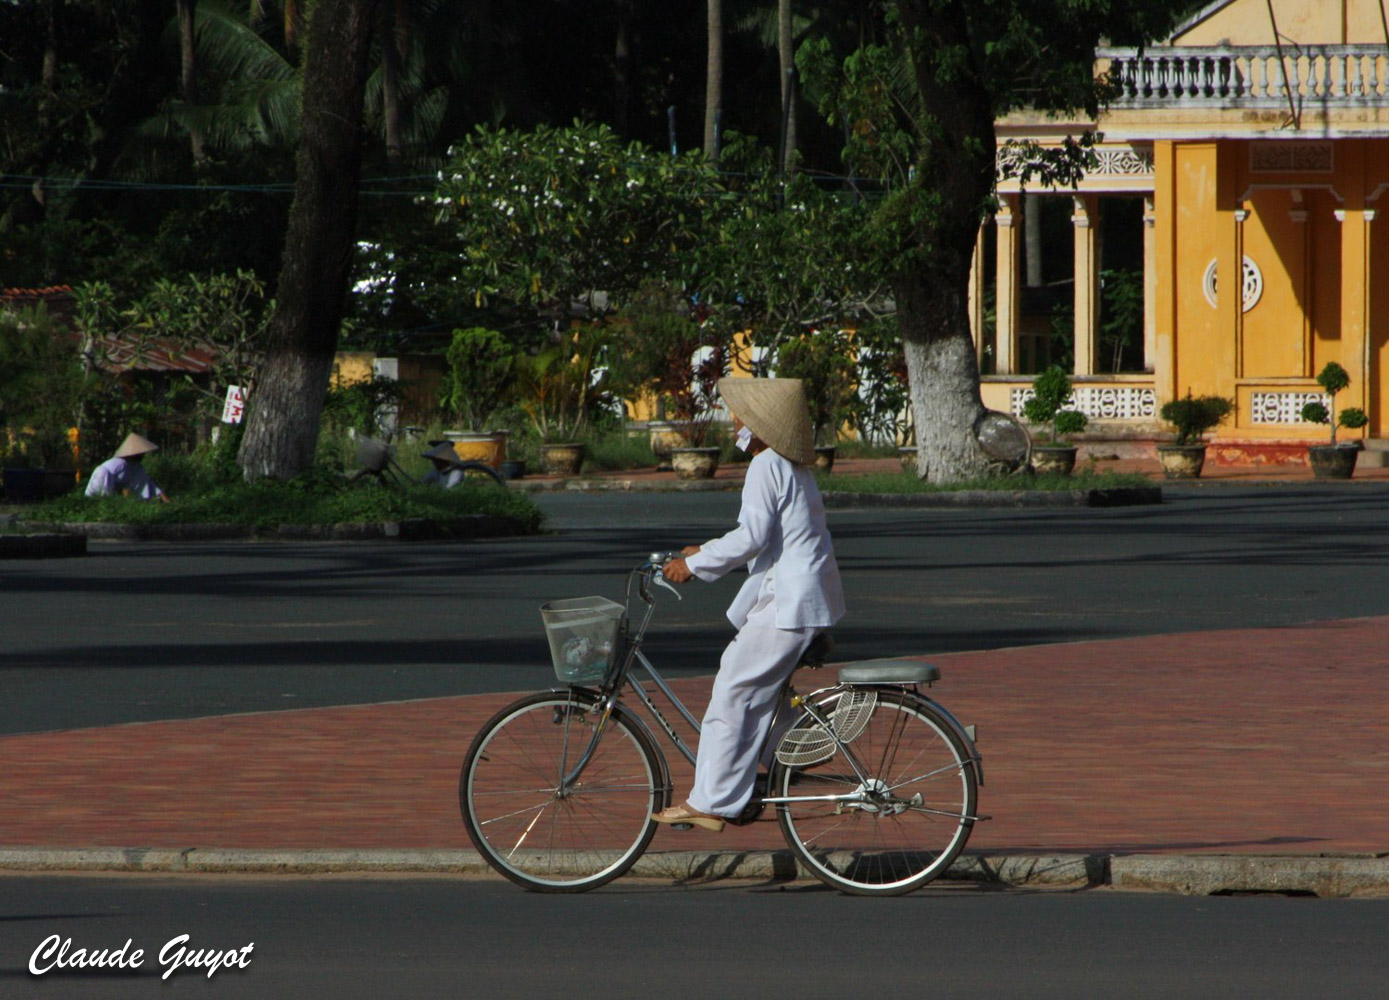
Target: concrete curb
x,y
42,545
1325,876
1123,496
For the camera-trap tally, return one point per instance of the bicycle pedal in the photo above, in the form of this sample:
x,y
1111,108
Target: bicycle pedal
x,y
682,826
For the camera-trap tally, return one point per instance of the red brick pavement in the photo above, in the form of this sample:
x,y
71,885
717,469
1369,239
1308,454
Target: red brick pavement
x,y
1255,740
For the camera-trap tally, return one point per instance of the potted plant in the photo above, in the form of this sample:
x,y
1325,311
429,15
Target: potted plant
x,y
1190,418
1051,390
824,361
1334,461
661,350
481,373
557,386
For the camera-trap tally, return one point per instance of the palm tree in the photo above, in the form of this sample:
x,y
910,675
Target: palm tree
x,y
713,80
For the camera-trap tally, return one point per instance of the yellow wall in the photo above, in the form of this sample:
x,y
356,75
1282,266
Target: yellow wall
x,y
1307,22
1196,327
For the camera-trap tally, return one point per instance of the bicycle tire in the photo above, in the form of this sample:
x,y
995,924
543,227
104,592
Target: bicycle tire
x,y
507,792
923,790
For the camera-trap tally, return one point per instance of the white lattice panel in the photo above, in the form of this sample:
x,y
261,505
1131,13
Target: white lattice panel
x,y
1101,402
1282,407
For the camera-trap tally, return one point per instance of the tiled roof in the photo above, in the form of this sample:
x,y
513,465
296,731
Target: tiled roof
x,y
20,294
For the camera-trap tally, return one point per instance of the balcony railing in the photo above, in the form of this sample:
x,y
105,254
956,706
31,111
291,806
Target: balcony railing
x,y
1316,76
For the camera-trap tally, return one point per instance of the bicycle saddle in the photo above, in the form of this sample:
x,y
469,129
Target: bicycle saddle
x,y
888,672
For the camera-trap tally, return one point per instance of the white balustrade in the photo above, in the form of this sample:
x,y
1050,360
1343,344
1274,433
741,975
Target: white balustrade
x,y
1249,76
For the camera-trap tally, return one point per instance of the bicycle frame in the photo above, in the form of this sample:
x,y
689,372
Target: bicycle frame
x,y
630,655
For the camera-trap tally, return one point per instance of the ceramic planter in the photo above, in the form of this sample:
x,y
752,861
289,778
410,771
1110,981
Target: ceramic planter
x,y
1182,461
512,469
667,435
487,447
824,457
907,456
1333,461
694,463
562,459
1054,458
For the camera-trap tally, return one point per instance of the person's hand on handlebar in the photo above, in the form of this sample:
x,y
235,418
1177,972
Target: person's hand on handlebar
x,y
676,571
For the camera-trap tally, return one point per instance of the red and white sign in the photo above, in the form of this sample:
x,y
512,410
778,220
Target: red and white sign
x,y
235,405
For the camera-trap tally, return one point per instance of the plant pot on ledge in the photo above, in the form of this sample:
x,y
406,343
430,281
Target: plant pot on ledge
x,y
1333,461
1057,459
824,457
1182,461
562,459
694,463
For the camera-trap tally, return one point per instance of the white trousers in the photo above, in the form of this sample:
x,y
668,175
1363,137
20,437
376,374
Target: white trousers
x,y
751,672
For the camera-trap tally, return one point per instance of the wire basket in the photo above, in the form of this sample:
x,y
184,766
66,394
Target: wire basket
x,y
583,637
810,743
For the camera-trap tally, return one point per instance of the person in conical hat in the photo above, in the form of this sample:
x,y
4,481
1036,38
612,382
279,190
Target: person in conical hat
x,y
792,594
124,473
447,471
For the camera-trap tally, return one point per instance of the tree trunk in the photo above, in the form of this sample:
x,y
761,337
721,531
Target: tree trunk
x,y
787,57
287,401
713,80
954,179
622,68
188,70
390,82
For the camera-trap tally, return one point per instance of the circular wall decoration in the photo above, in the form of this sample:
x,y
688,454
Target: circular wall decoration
x,y
1253,284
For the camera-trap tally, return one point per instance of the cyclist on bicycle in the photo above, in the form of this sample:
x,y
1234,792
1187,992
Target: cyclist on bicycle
x,y
793,592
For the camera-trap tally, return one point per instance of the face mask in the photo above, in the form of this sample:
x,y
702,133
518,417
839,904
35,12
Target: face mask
x,y
744,439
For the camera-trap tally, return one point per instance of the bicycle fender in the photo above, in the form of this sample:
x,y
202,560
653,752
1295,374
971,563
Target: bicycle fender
x,y
638,723
965,740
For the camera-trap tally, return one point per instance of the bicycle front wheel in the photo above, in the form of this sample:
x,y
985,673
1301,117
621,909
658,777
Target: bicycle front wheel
x,y
545,836
899,824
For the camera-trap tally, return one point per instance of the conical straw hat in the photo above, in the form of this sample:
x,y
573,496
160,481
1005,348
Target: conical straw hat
x,y
775,410
444,453
134,445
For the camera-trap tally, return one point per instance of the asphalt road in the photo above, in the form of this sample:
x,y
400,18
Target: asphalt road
x,y
457,938
149,631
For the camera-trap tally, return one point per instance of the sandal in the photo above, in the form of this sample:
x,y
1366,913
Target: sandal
x,y
684,816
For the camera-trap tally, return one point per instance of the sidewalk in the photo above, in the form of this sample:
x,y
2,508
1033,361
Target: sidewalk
x,y
1234,760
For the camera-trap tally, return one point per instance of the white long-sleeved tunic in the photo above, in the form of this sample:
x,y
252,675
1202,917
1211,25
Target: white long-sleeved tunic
x,y
784,541
117,474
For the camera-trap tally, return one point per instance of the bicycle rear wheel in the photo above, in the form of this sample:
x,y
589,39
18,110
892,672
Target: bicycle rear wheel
x,y
901,827
530,831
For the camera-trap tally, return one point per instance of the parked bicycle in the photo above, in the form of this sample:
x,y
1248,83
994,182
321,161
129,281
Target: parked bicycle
x,y
377,461
874,784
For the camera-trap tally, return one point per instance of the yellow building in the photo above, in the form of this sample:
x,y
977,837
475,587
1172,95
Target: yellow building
x,y
1254,141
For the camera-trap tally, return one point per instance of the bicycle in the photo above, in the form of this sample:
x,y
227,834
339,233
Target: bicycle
x,y
378,464
874,783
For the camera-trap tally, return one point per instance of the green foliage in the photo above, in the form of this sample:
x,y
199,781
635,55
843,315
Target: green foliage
x,y
1194,415
824,361
321,497
557,388
1121,322
551,216
41,387
1051,390
359,406
660,349
482,368
1333,378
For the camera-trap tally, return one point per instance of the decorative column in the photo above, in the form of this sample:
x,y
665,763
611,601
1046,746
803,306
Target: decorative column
x,y
1235,290
1086,220
1164,357
1355,304
1150,282
1007,294
976,299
